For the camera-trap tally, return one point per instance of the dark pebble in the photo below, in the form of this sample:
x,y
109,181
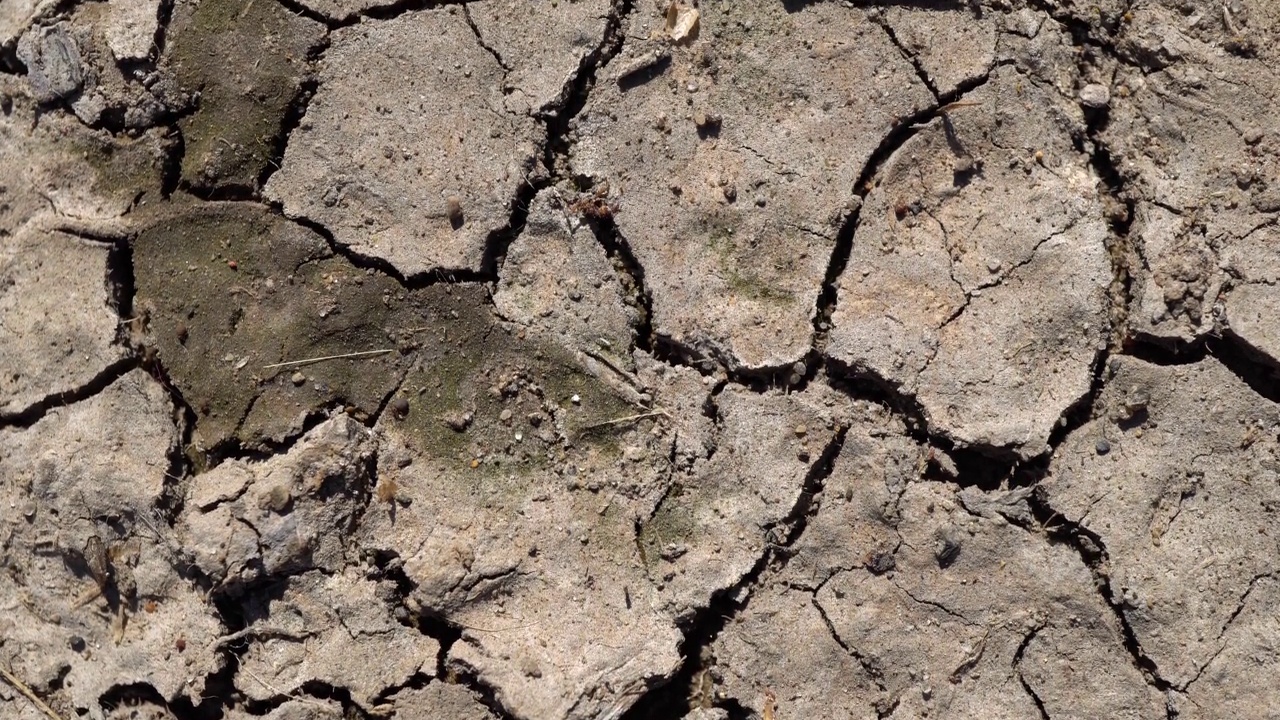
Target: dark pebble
x,y
947,553
400,408
881,563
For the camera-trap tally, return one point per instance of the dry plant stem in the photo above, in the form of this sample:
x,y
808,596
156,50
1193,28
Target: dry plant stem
x,y
627,419
278,691
957,105
308,361
29,693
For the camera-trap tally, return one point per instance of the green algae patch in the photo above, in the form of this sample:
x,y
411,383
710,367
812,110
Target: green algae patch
x,y
739,260
494,399
241,305
248,62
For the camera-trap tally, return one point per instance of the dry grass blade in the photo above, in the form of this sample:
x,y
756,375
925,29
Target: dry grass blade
x,y
627,419
308,361
29,693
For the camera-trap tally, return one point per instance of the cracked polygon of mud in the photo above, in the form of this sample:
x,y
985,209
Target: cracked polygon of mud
x,y
1189,129
246,61
732,171
541,44
558,279
366,651
56,164
130,29
74,323
1182,502
950,51
935,632
66,493
982,207
517,488
418,170
1222,689
508,499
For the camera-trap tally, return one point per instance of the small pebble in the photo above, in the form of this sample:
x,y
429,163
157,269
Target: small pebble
x,y
801,430
1095,96
1102,446
232,264
298,378
400,408
575,400
505,415
278,498
881,563
475,464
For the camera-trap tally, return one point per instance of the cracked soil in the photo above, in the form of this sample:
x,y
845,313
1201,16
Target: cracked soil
x,y
634,359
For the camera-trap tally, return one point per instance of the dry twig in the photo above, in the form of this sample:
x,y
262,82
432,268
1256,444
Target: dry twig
x,y
29,693
308,361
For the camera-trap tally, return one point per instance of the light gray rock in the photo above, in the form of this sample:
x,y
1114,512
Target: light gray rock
x,y
52,58
290,514
131,30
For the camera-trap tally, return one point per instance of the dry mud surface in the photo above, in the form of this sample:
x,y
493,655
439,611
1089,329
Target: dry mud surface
x,y
552,359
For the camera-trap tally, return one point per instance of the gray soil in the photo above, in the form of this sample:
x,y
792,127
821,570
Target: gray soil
x,y
625,359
